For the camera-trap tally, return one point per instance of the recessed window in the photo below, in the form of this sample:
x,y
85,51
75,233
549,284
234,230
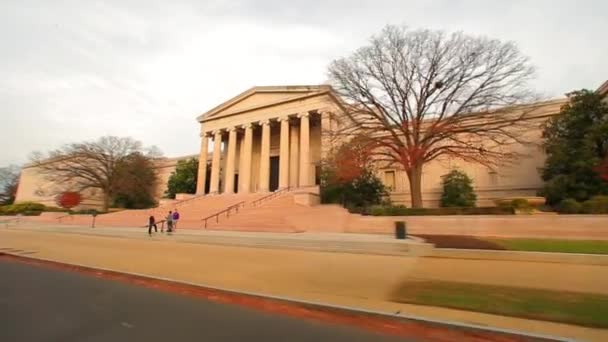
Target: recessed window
x,y
389,180
493,177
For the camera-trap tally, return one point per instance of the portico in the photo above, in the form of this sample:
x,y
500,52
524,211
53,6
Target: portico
x,y
265,139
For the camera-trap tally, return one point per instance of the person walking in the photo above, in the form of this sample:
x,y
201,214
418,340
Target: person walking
x,y
175,219
152,223
169,220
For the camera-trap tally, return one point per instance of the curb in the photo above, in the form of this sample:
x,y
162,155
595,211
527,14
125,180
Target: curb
x,y
372,320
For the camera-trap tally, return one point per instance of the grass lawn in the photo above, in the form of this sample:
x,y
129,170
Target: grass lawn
x,y
559,246
518,244
567,307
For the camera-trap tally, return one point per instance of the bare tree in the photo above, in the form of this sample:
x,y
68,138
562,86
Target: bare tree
x,y
92,165
422,95
9,182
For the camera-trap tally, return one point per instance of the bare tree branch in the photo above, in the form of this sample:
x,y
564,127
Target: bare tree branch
x,y
91,164
422,95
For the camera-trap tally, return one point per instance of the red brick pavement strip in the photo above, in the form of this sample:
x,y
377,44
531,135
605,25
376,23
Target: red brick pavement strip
x,y
417,329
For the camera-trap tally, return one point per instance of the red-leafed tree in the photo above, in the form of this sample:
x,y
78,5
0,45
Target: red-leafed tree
x,y
348,175
423,95
351,160
68,199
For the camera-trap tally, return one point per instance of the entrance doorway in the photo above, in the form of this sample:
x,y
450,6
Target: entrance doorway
x,y
274,173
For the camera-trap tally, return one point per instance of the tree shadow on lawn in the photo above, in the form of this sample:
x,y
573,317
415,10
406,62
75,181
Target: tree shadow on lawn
x,y
459,241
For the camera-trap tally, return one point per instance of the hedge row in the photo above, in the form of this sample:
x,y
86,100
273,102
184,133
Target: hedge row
x,y
595,205
403,211
26,208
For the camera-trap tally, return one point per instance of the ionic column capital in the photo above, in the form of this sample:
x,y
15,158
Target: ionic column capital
x,y
303,115
246,126
204,134
217,131
264,122
231,129
283,118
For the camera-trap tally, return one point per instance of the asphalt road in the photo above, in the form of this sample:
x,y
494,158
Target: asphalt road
x,y
38,304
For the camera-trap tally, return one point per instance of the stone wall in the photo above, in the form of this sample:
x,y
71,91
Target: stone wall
x,y
531,226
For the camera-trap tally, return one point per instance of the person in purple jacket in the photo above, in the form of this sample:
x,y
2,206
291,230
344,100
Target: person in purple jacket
x,y
175,219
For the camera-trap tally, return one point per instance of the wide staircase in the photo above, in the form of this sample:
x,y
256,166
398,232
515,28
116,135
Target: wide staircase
x,y
192,212
276,212
281,214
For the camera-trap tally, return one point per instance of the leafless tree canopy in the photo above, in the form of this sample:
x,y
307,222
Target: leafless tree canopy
x,y
420,95
91,164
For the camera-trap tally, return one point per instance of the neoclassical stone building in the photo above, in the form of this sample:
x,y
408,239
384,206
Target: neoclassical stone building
x,y
265,139
274,137
270,138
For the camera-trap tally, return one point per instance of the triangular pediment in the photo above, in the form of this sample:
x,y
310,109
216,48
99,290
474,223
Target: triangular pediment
x,y
257,97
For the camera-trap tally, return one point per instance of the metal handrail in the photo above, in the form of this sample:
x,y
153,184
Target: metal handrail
x,y
227,211
270,196
60,217
187,200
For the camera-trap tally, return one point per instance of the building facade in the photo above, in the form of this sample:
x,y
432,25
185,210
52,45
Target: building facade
x,y
269,138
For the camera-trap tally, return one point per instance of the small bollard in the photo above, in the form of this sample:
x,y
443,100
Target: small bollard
x,y
94,214
400,230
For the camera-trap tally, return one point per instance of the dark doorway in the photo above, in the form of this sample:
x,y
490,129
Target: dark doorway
x,y
208,178
274,173
236,183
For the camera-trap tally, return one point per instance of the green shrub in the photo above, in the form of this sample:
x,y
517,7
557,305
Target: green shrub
x,y
86,212
377,210
458,190
24,208
521,204
54,209
596,205
569,206
364,191
388,210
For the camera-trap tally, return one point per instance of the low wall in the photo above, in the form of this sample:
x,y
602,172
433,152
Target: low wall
x,y
540,226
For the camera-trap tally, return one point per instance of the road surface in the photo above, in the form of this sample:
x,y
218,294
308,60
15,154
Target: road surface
x,y
39,304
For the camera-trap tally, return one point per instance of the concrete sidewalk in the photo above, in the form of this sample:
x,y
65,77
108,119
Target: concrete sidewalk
x,y
326,242
344,279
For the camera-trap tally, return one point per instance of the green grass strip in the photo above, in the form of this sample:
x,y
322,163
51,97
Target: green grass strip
x,y
556,246
589,310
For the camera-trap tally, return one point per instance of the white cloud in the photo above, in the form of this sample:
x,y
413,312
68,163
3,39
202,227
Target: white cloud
x,y
74,70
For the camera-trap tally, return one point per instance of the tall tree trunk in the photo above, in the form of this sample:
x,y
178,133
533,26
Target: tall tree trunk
x,y
106,202
414,175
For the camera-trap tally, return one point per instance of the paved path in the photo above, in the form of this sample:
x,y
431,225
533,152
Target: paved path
x,y
353,280
46,305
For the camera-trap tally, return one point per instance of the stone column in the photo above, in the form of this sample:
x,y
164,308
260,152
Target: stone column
x,y
241,140
326,131
230,159
265,157
294,156
202,165
245,167
284,154
215,163
304,150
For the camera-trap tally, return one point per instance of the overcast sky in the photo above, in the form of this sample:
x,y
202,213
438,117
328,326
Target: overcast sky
x,y
76,70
